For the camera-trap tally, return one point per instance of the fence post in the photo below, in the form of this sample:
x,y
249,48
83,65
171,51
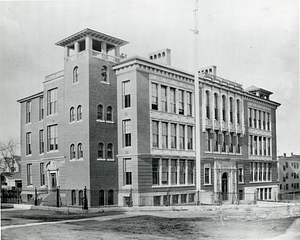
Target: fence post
x,y
35,197
85,202
57,196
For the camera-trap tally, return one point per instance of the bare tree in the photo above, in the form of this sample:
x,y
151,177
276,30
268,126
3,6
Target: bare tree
x,y
8,151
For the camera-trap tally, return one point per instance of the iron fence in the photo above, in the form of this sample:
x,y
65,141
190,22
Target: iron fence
x,y
11,196
289,197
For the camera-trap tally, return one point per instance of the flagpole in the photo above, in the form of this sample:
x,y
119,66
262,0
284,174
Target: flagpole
x,y
197,107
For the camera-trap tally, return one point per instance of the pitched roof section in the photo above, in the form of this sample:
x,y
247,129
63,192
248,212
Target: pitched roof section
x,y
94,34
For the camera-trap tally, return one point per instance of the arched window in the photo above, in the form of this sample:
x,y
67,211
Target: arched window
x,y
224,108
104,75
101,197
75,74
207,105
79,151
231,110
216,105
238,111
101,150
73,197
72,114
100,112
110,197
72,152
110,154
79,113
109,113
80,193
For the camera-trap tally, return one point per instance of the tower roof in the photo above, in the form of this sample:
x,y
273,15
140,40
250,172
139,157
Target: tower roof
x,y
94,34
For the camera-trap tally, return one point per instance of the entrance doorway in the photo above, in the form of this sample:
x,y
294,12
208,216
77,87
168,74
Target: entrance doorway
x,y
225,186
53,180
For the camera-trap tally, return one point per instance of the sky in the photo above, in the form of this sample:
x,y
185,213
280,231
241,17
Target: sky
x,y
252,42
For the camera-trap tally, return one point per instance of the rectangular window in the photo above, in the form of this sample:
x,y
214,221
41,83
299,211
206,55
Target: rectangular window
x,y
173,135
240,174
181,137
155,171
183,198
172,100
255,145
260,145
251,171
254,118
28,144
41,108
265,146
268,121
270,193
174,171
181,101
126,133
182,172
29,174
269,171
207,174
42,174
259,119
269,146
164,135
190,137
126,94
52,101
155,134
28,111
190,172
165,171
52,138
41,141
154,97
260,172
164,103
189,103
128,171
255,171
264,121
264,171
250,117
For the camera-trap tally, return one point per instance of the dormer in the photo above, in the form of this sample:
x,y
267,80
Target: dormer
x,y
96,44
259,92
210,70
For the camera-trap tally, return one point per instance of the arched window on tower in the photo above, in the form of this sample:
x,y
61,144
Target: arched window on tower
x,y
110,154
224,108
79,151
75,75
216,105
72,114
79,113
100,112
104,74
109,113
100,150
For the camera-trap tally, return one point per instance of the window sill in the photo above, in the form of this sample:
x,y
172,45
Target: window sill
x,y
207,184
80,159
72,122
29,123
111,160
101,159
30,186
99,120
112,122
107,83
73,160
53,151
170,186
29,155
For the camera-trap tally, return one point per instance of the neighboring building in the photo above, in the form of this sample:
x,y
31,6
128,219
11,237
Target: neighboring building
x,y
11,181
289,171
10,165
125,129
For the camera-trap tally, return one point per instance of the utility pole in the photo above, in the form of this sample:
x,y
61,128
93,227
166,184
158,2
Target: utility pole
x,y
197,106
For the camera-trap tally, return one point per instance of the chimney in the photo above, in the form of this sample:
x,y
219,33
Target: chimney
x,y
284,154
292,153
162,56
